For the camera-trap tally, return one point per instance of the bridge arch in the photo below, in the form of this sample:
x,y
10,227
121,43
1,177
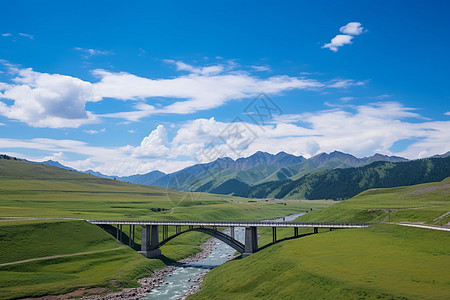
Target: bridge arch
x,y
235,244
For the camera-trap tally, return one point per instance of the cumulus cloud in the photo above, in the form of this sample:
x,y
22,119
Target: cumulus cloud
x,y
47,100
350,30
338,41
361,130
154,145
54,100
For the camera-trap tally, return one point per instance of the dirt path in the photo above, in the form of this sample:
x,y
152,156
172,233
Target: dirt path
x,y
58,256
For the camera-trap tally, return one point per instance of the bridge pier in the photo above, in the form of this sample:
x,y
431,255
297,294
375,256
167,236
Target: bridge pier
x,y
316,230
274,234
296,231
150,241
130,240
251,241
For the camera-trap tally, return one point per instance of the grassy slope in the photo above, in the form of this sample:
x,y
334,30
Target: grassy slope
x,y
29,190
417,203
384,261
39,238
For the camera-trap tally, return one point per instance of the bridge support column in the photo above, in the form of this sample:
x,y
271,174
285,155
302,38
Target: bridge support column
x,y
150,241
316,230
129,237
165,230
232,232
251,241
296,231
274,234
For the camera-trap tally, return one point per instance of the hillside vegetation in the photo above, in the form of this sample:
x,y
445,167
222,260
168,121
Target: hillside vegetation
x,y
418,203
385,261
382,262
33,190
348,182
227,176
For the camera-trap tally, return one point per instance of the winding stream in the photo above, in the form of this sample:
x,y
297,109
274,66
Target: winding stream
x,y
177,284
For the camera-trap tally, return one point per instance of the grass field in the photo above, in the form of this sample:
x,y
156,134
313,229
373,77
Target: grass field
x,y
385,261
29,190
417,203
110,265
382,262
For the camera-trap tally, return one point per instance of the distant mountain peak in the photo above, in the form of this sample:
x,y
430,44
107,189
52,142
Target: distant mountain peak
x,y
57,164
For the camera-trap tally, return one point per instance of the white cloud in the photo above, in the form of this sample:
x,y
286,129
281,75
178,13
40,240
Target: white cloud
x,y
344,83
6,34
58,156
54,100
338,41
383,96
154,145
47,100
90,52
210,70
346,99
360,130
31,37
352,28
95,131
201,91
447,113
261,68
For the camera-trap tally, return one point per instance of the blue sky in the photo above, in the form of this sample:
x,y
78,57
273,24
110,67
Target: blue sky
x,y
129,88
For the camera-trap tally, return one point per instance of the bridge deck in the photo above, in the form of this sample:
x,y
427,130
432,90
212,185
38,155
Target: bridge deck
x,y
232,224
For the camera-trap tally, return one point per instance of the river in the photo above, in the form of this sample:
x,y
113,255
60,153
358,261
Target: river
x,y
177,284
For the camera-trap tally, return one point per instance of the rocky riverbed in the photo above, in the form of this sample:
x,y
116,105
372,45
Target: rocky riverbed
x,y
156,279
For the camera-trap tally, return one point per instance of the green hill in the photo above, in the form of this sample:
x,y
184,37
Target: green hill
x,y
382,262
342,183
33,190
385,261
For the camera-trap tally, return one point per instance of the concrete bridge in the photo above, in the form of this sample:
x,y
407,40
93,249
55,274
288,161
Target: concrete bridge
x,y
150,242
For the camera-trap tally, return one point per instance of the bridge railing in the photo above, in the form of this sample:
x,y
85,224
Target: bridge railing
x,y
236,224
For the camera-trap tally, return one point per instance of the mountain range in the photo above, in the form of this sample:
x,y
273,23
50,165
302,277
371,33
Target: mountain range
x,y
259,168
336,175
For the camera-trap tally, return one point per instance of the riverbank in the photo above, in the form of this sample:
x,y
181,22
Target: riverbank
x,y
156,279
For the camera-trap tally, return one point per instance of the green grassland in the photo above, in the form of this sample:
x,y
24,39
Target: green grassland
x,y
108,264
416,203
385,261
32,190
382,262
